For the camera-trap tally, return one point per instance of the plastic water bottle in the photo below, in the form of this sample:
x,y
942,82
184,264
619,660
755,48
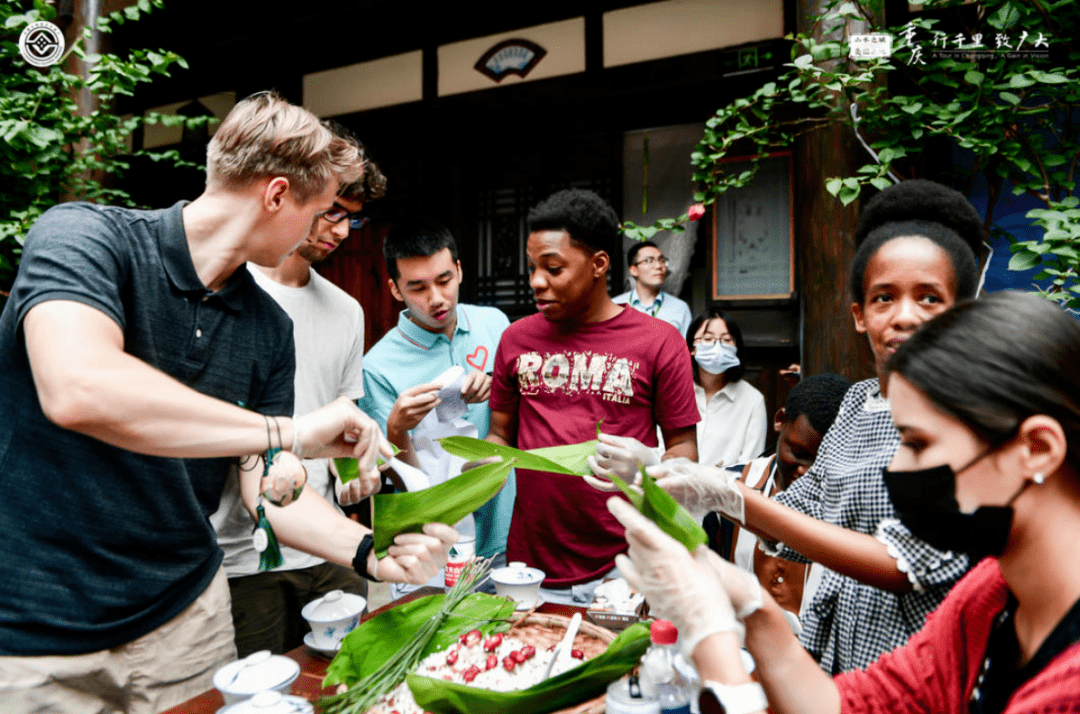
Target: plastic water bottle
x,y
659,678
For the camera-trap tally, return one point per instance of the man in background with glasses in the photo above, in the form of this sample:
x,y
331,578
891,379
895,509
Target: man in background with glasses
x,y
328,329
649,268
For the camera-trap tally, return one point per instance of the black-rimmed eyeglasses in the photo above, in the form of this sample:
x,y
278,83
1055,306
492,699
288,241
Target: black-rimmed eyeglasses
x,y
337,214
652,259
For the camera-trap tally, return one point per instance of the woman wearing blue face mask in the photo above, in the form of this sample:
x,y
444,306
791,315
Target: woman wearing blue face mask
x,y
733,420
986,398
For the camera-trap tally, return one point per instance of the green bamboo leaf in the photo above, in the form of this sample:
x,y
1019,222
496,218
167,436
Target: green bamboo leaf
x,y
447,502
366,648
348,468
580,684
569,459
658,506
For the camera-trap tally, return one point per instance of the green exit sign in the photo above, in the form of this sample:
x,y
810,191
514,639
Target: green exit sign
x,y
750,59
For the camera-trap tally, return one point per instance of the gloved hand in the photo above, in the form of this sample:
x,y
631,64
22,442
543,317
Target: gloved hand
x,y
742,586
680,587
700,488
621,455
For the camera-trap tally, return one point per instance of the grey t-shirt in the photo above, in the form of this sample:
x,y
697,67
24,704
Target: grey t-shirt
x,y
103,545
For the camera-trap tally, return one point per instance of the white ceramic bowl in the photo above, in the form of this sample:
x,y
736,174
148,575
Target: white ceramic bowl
x,y
518,582
333,616
271,703
255,673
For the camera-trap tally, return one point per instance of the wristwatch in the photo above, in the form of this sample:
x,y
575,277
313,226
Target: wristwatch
x,y
719,698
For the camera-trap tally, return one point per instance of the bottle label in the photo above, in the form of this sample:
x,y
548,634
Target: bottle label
x,y
676,709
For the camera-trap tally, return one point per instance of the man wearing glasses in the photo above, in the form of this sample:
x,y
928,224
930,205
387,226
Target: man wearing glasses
x,y
328,329
649,268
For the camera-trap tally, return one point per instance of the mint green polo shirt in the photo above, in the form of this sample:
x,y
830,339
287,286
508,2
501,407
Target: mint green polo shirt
x,y
409,355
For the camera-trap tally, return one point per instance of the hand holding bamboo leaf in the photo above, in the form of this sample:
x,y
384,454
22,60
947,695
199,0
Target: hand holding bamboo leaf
x,y
446,503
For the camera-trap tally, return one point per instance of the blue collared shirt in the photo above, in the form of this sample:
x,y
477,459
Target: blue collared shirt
x,y
409,355
666,307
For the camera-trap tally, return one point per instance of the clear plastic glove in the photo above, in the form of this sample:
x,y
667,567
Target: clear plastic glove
x,y
621,455
700,488
742,587
680,587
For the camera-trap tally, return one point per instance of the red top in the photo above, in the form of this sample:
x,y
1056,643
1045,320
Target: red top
x,y
937,669
631,372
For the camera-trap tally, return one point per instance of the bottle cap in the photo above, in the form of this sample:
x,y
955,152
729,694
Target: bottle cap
x,y
663,632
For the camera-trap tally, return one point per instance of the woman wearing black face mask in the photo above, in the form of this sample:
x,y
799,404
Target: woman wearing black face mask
x,y
987,401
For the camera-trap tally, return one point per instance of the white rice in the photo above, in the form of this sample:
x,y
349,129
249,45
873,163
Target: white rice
x,y
531,671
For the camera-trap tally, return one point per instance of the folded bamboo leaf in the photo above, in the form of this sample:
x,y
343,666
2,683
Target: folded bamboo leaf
x,y
447,502
573,687
657,505
348,468
569,459
366,648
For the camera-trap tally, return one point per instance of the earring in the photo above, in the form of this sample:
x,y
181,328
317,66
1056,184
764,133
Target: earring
x,y
1038,478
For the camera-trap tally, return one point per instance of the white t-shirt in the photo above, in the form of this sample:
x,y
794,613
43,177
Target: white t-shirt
x,y
328,327
732,426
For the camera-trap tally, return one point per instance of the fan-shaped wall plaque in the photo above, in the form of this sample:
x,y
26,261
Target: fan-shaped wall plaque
x,y
515,56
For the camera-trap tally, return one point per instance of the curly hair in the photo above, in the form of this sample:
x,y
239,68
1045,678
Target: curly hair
x,y
920,208
590,221
817,397
371,185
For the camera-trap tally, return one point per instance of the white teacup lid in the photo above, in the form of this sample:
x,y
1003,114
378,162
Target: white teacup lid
x,y
271,703
256,672
517,573
334,605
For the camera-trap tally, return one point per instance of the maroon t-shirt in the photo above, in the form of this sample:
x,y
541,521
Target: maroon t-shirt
x,y
631,372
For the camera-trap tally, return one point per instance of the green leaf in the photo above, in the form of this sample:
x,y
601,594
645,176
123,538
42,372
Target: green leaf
x,y
367,647
1024,260
1019,81
1010,97
569,459
973,77
447,502
580,684
848,194
657,505
833,185
348,468
1005,17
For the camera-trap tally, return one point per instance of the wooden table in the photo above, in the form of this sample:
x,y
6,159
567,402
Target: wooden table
x,y
313,665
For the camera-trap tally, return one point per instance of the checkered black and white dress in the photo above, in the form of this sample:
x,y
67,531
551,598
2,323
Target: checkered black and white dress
x,y
848,624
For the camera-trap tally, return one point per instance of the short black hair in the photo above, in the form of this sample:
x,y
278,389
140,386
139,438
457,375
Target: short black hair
x,y
416,238
590,221
735,373
926,209
631,255
817,397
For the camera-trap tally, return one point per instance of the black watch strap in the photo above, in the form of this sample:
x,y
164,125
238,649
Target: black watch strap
x,y
359,562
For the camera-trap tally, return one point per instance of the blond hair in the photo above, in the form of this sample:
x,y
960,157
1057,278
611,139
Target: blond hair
x,y
265,136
